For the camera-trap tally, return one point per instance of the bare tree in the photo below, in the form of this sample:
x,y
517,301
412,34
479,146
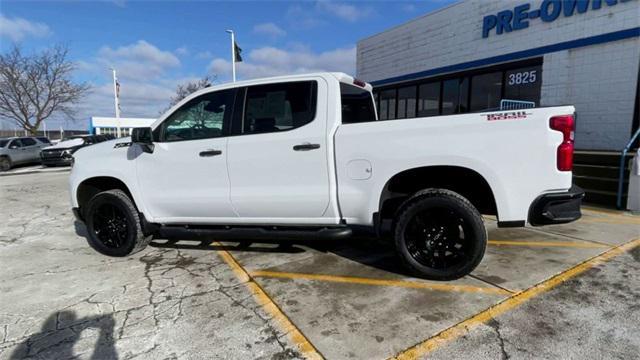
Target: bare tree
x,y
35,87
185,89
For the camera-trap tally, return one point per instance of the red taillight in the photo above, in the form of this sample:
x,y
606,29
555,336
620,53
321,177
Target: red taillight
x,y
359,82
566,125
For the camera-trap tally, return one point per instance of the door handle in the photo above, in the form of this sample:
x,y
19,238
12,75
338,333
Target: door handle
x,y
208,153
306,147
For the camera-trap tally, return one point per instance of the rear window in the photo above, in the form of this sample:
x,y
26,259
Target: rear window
x,y
357,104
3,143
28,142
44,140
279,107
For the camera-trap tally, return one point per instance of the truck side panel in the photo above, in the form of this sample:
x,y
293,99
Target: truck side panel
x,y
516,155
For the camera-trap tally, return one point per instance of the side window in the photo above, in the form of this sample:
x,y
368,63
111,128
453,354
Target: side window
x,y
357,104
201,118
28,142
15,144
279,107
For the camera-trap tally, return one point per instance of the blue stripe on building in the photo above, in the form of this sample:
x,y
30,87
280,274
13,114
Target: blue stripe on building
x,y
593,40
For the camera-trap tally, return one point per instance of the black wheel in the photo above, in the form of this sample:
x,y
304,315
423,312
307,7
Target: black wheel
x,y
5,163
114,225
440,235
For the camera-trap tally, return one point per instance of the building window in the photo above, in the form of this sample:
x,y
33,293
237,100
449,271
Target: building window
x,y
455,95
387,104
429,102
523,84
486,91
407,102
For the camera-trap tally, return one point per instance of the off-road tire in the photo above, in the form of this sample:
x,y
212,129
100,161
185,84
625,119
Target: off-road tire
x,y
135,239
475,233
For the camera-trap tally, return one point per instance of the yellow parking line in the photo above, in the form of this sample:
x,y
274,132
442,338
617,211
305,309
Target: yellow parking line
x,y
607,212
465,326
622,220
575,244
295,335
381,282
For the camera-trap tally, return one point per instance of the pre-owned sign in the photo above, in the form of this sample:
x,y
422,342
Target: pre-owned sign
x,y
549,10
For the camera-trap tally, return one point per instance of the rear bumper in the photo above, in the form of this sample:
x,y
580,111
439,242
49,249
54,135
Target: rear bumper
x,y
556,208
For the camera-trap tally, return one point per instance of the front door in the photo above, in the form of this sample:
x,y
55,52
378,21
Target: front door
x,y
278,163
17,151
185,179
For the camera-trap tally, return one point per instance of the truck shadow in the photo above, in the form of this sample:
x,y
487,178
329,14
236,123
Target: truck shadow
x,y
371,252
61,331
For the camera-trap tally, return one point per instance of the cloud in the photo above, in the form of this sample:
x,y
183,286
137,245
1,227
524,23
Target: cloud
x,y
182,51
204,55
16,29
347,12
271,61
269,29
139,61
147,75
408,7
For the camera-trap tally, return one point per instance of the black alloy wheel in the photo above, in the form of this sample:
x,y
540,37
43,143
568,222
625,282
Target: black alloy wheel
x,y
110,225
436,238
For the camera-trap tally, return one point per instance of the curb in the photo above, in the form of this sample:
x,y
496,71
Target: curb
x,y
35,172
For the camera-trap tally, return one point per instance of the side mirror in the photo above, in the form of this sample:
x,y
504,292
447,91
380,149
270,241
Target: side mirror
x,y
144,138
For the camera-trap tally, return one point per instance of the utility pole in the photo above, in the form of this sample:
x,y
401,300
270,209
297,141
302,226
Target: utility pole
x,y
233,55
116,97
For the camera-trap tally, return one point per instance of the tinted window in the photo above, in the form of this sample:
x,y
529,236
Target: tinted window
x,y
429,102
486,91
3,143
279,107
387,104
201,118
15,143
407,102
523,84
357,104
28,142
44,140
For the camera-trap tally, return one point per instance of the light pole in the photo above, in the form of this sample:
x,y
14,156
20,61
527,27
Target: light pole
x,y
233,55
116,97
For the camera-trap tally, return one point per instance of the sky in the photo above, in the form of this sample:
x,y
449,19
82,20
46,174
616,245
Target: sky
x,y
156,45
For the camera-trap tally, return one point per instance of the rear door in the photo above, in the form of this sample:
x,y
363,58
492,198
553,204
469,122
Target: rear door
x,y
278,166
31,149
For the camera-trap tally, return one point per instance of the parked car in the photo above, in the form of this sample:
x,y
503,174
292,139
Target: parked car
x,y
20,150
304,157
62,152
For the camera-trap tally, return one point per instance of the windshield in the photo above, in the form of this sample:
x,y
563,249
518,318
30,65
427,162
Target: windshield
x,y
3,142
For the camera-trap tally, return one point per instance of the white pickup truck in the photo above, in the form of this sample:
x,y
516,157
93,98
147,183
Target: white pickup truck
x,y
304,157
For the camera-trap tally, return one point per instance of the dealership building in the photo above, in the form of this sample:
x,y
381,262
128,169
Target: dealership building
x,y
472,55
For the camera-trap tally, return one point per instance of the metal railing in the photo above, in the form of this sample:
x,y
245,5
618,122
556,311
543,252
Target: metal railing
x,y
623,157
507,104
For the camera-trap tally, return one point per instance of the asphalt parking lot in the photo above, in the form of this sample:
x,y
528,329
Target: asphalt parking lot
x,y
565,291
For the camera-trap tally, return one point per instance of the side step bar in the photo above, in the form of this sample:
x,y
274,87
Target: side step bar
x,y
252,233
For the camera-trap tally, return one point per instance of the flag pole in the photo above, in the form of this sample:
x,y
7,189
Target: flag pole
x,y
233,55
116,101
